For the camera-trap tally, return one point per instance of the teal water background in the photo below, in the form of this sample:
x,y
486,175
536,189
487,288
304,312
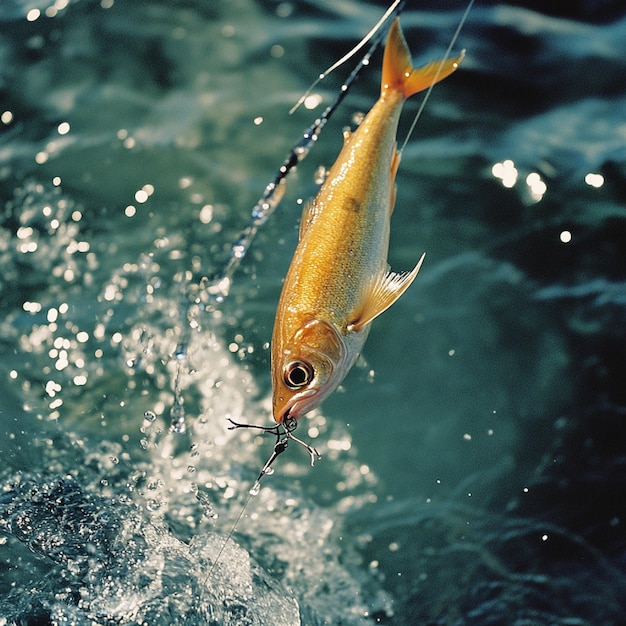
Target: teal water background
x,y
473,464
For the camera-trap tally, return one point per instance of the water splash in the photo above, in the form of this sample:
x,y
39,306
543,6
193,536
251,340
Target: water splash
x,y
115,566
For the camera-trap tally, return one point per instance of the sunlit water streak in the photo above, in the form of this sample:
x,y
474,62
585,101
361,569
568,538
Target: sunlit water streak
x,y
473,468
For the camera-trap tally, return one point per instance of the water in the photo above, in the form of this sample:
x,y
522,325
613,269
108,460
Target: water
x,y
472,465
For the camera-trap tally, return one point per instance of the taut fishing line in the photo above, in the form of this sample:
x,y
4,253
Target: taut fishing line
x,y
422,106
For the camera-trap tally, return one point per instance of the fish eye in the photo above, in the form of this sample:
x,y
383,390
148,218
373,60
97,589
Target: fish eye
x,y
297,374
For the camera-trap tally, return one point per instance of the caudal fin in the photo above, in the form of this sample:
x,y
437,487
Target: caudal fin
x,y
398,72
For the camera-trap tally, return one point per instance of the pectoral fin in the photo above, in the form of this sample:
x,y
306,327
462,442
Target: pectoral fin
x,y
382,293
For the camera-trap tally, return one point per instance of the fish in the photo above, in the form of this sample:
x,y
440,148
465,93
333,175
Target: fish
x,y
339,279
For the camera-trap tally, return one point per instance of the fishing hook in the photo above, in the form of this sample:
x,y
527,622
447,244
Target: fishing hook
x,y
283,433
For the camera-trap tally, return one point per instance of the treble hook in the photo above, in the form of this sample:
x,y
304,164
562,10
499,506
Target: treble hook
x,y
283,432
290,425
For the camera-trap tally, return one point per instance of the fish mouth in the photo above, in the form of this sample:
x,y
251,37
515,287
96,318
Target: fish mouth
x,y
296,407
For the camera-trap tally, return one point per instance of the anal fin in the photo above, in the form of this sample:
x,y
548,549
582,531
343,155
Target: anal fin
x,y
382,293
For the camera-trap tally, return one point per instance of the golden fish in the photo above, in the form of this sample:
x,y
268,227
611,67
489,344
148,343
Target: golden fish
x,y
339,279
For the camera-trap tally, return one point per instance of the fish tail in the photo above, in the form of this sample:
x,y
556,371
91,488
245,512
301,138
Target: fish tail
x,y
398,72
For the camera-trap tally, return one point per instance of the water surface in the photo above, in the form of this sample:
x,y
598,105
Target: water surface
x,y
473,464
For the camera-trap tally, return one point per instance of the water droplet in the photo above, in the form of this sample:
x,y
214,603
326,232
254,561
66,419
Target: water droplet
x,y
358,117
149,416
254,491
320,175
312,101
179,427
239,250
177,416
204,499
594,180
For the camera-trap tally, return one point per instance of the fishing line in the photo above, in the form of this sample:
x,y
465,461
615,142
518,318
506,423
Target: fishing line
x,y
219,285
230,534
396,6
457,32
